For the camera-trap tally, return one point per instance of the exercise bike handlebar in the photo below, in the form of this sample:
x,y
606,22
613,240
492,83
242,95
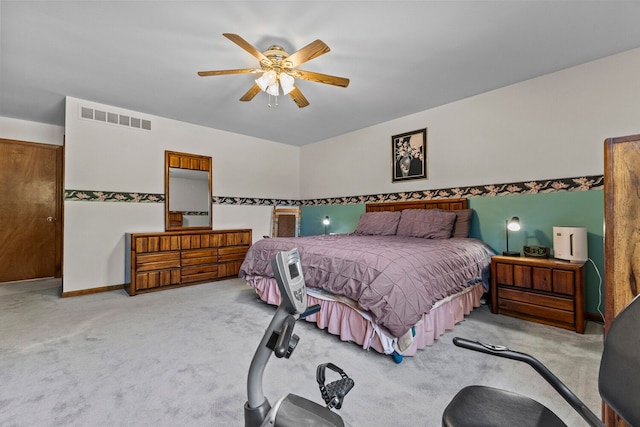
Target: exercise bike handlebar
x,y
282,343
310,310
281,348
540,368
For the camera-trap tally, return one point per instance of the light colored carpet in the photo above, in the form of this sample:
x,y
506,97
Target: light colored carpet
x,y
180,358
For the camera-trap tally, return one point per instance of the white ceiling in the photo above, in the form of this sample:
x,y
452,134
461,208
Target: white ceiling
x,y
402,56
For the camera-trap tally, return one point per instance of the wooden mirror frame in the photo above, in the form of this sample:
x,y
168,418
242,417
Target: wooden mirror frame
x,y
194,162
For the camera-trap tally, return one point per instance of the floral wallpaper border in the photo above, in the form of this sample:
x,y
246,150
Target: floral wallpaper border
x,y
583,183
112,196
195,213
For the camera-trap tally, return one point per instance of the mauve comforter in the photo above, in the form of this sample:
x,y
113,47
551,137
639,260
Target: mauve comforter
x,y
396,279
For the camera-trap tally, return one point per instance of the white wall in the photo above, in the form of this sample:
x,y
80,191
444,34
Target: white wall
x,y
106,157
549,127
21,130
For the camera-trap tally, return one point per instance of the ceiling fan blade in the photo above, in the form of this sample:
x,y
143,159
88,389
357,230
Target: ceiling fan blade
x,y
223,72
246,46
307,53
251,93
320,78
298,98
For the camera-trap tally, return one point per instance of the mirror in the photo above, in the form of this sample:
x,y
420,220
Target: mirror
x,y
187,189
285,221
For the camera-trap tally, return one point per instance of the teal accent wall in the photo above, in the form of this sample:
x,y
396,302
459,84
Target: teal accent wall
x,y
344,218
538,214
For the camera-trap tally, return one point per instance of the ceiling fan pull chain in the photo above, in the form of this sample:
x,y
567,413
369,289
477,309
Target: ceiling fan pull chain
x,y
269,104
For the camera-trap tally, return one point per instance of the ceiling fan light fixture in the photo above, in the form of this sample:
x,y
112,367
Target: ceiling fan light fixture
x,y
273,89
267,79
278,69
286,81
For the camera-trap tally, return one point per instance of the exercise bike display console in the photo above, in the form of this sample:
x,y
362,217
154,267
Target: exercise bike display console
x,y
287,270
290,410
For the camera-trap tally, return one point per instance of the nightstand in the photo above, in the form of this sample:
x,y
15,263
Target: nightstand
x,y
541,290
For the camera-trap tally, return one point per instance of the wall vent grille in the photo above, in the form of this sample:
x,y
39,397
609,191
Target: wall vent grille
x,y
114,118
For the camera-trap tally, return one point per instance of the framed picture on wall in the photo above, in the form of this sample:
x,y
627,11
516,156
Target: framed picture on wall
x,y
409,155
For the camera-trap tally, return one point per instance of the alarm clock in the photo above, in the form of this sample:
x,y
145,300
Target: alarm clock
x,y
536,251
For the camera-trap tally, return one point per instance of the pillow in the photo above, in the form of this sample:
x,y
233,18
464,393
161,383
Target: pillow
x,y
378,223
463,222
426,223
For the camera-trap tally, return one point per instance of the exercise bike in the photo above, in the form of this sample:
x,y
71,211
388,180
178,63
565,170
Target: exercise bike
x,y
291,410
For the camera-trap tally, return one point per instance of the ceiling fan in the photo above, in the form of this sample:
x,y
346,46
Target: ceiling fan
x,y
279,70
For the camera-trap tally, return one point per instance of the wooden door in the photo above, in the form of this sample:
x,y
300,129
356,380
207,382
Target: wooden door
x,y
30,210
622,233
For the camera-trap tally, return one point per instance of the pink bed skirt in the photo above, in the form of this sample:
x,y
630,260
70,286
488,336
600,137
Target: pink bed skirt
x,y
343,319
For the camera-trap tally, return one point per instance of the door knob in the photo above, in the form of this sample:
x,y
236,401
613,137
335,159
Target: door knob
x,y
50,219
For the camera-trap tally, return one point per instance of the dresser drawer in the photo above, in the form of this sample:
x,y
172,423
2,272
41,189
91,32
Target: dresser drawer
x,y
157,261
229,269
233,253
156,244
198,257
199,273
156,279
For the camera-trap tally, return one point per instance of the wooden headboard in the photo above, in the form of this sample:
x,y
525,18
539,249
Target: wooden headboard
x,y
446,204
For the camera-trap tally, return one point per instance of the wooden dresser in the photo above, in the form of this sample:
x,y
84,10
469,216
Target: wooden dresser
x,y
170,259
546,291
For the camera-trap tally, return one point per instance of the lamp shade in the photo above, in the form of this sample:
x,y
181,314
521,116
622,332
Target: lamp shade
x,y
273,89
267,79
286,82
514,224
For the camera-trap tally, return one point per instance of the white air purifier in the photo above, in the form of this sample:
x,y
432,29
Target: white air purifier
x,y
570,243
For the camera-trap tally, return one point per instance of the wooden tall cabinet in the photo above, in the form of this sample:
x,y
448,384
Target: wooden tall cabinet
x,y
156,261
622,232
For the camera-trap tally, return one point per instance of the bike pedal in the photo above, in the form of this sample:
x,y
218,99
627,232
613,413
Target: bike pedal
x,y
337,390
334,392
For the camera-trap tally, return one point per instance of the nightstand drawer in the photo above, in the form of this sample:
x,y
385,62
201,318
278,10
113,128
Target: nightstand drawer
x,y
525,276
537,299
534,312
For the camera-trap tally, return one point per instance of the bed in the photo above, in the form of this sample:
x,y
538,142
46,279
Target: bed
x,y
408,273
